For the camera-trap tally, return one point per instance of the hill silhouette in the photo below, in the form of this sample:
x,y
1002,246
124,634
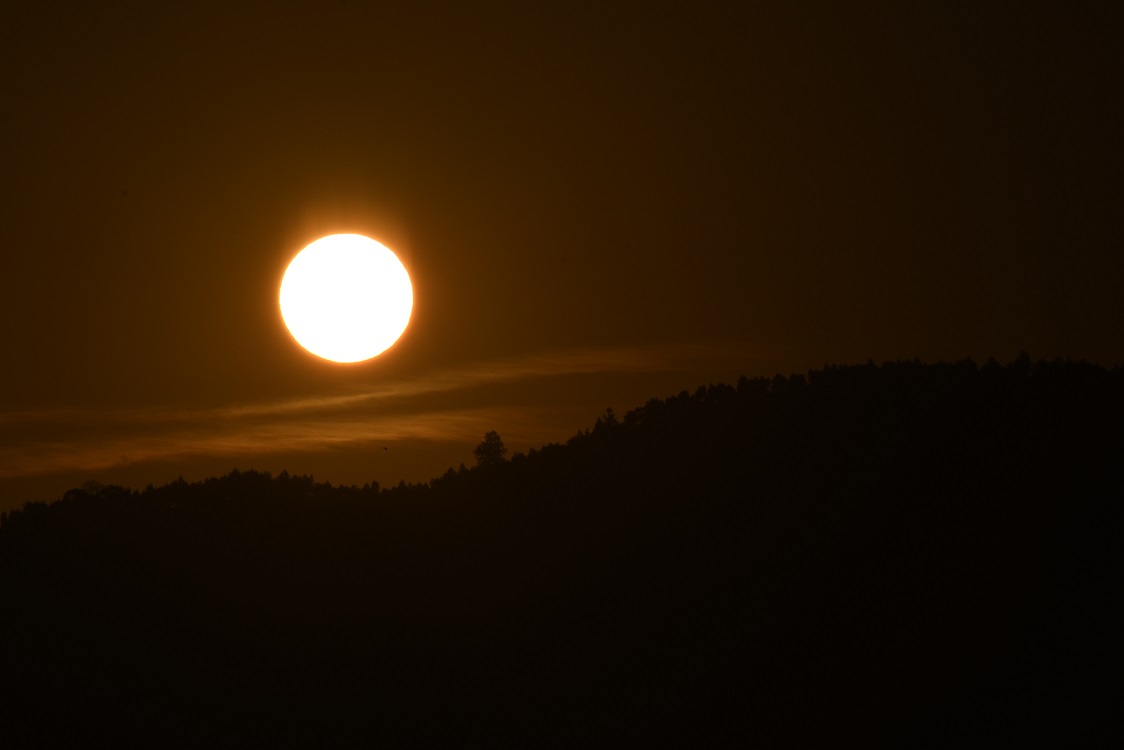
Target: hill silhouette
x,y
910,554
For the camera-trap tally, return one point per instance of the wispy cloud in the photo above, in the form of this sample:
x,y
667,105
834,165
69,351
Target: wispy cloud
x,y
238,440
75,439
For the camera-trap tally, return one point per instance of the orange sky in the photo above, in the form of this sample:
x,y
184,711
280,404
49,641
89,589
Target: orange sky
x,y
597,206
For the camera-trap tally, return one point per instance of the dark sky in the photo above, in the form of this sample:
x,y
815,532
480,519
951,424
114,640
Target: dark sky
x,y
597,206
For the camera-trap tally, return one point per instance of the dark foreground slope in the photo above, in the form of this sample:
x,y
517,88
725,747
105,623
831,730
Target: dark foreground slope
x,y
912,555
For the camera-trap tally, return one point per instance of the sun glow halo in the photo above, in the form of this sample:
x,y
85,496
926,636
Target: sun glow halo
x,y
346,298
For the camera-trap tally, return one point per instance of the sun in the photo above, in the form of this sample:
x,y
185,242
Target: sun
x,y
346,298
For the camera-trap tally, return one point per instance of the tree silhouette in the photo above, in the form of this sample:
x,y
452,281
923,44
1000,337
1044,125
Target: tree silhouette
x,y
608,420
491,450
911,552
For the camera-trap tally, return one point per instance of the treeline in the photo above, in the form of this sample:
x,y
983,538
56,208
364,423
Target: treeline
x,y
912,554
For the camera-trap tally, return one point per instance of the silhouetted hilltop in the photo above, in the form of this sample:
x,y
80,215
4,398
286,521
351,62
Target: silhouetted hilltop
x,y
910,554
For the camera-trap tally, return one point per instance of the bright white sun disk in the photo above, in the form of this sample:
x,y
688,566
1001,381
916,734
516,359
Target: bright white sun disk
x,y
346,298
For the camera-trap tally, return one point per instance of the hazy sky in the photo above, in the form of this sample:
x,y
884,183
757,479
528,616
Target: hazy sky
x,y
597,206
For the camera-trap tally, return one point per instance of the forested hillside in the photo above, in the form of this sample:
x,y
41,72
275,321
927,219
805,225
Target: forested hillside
x,y
905,554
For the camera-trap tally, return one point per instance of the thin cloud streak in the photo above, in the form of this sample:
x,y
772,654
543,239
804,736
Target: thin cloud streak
x,y
571,362
246,440
315,423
